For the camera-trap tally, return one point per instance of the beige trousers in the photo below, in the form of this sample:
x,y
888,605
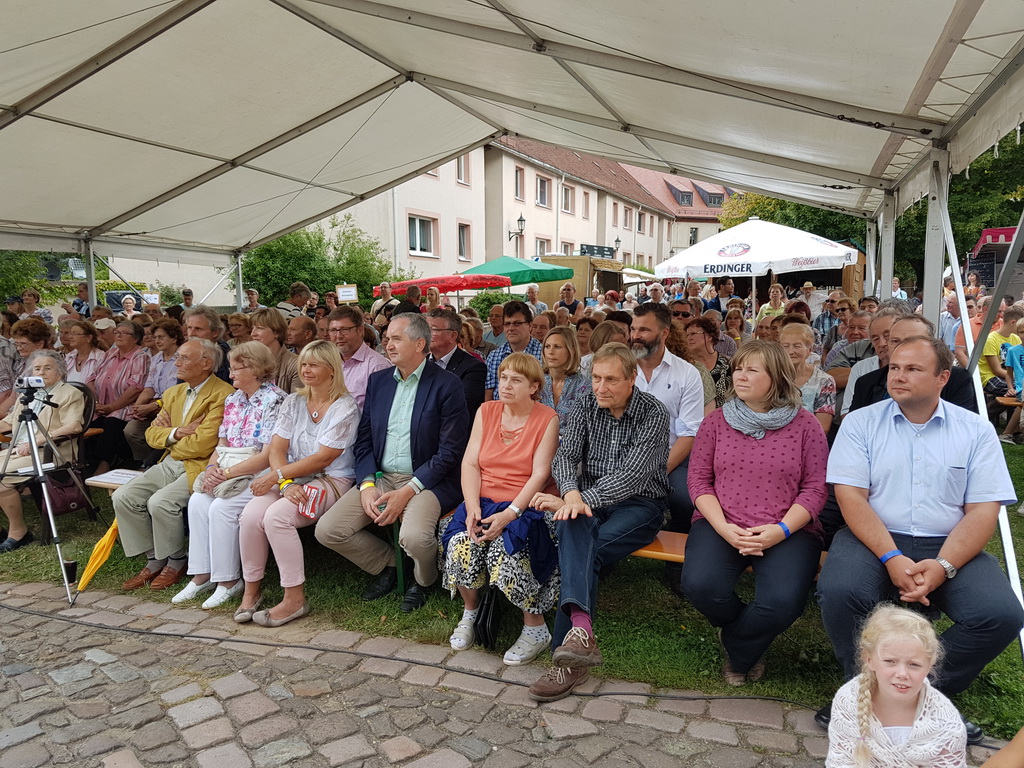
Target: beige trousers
x,y
150,510
342,528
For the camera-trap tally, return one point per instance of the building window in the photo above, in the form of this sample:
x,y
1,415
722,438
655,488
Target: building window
x,y
462,169
520,182
615,214
464,242
586,205
568,200
715,201
543,246
640,220
693,235
683,198
627,258
627,217
543,192
566,248
421,236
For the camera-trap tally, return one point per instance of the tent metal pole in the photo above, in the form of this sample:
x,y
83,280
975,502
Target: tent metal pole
x,y
888,244
90,272
217,285
1005,535
114,271
1012,257
870,257
934,242
238,280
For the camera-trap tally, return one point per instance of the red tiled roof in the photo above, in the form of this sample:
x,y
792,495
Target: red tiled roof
x,y
660,185
598,171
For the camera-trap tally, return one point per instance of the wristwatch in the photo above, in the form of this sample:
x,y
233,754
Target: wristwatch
x,y
280,476
948,567
515,510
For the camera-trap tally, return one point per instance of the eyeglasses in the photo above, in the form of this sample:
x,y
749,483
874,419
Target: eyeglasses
x,y
830,301
682,314
342,329
236,369
842,309
516,324
123,333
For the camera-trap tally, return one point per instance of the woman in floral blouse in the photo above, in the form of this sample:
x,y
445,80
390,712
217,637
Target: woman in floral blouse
x,y
222,491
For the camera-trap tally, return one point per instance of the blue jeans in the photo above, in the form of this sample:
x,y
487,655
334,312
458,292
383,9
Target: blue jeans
x,y
985,613
587,544
680,505
782,579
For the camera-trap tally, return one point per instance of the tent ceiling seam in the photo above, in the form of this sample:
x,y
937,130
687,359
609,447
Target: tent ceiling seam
x,y
373,192
648,69
654,134
333,31
388,86
100,61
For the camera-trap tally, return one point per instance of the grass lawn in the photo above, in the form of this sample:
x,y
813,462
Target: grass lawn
x,y
646,633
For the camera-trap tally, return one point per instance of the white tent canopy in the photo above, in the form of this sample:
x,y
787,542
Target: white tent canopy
x,y
216,125
752,249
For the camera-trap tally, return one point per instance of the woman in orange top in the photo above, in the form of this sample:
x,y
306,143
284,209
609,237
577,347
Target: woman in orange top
x,y
493,536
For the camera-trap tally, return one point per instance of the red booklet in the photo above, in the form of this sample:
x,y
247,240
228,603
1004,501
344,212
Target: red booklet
x,y
311,506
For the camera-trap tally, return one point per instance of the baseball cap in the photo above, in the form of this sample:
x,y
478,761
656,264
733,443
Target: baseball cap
x,y
104,323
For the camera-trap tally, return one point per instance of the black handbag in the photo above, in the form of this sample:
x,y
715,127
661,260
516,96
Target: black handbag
x,y
488,618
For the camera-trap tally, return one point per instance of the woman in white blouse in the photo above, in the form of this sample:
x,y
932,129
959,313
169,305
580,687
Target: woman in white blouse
x,y
311,467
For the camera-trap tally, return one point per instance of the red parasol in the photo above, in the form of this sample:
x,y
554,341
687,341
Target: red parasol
x,y
449,283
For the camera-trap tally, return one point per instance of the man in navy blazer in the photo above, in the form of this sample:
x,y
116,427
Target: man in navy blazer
x,y
408,453
445,326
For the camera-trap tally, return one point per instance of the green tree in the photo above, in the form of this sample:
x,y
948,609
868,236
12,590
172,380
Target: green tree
x,y
20,270
320,261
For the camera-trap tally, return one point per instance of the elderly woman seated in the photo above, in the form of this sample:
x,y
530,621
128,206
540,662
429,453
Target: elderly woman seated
x,y
493,537
62,420
222,491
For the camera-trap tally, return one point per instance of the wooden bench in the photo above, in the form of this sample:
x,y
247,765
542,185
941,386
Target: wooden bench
x,y
671,547
1009,402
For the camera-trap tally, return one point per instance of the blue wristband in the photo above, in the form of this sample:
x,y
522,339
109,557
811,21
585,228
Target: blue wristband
x,y
889,556
785,529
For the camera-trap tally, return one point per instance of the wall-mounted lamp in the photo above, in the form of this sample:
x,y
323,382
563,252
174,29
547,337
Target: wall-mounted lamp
x,y
521,223
671,252
617,243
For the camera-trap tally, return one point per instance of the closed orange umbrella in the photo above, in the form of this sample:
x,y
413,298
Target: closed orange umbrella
x,y
99,556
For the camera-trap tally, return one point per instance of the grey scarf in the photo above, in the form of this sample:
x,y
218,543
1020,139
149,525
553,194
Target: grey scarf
x,y
740,417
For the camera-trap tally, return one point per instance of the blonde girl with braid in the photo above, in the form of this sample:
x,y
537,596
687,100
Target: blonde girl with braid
x,y
890,715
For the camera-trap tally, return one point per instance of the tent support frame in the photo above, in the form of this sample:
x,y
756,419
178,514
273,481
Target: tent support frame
x,y
1005,534
887,250
938,182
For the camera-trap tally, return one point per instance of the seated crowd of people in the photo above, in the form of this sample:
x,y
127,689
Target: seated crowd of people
x,y
534,453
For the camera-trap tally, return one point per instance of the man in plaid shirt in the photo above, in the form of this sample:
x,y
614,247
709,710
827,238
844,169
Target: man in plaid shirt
x,y
611,471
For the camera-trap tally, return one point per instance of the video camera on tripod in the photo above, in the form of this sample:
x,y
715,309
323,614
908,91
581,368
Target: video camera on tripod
x,y
29,384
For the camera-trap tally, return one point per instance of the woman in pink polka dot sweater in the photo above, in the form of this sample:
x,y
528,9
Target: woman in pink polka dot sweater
x,y
757,478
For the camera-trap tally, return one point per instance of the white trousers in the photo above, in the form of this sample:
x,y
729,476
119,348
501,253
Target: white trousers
x,y
213,535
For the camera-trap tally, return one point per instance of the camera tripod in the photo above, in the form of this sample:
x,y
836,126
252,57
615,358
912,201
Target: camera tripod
x,y
29,426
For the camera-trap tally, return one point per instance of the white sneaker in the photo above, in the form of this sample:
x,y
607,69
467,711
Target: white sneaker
x,y
222,594
192,591
463,636
525,650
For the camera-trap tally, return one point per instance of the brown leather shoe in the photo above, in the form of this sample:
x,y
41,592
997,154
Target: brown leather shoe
x,y
168,576
141,579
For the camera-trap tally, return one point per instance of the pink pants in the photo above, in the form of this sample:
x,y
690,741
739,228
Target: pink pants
x,y
272,522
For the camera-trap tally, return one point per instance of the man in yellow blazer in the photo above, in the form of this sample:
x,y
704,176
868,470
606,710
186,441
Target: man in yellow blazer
x,y
149,508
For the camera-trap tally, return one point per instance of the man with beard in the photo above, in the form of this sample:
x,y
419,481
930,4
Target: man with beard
x,y
678,386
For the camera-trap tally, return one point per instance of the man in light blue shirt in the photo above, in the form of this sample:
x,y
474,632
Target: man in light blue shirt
x,y
920,482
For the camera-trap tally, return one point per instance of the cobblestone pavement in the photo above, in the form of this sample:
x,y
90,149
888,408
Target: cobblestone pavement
x,y
109,697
